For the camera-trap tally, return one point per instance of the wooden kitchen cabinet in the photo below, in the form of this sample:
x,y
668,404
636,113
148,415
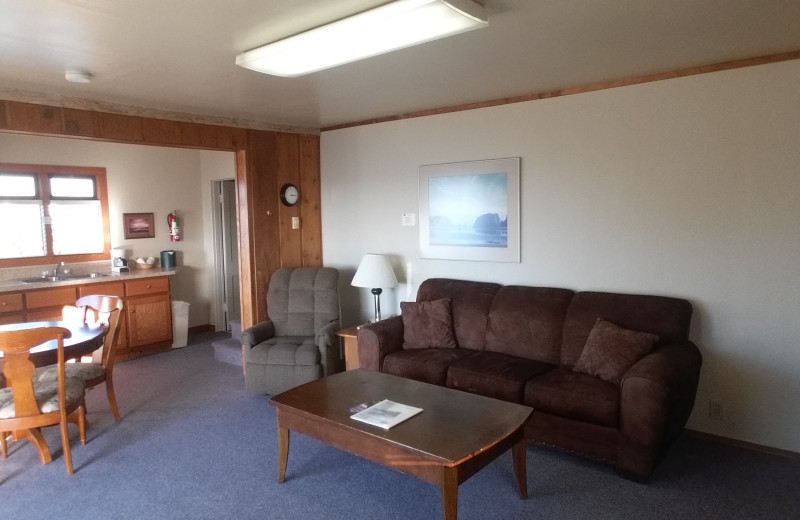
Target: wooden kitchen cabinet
x,y
11,308
145,326
47,304
148,310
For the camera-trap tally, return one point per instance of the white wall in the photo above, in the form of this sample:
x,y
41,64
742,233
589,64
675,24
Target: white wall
x,y
687,187
147,179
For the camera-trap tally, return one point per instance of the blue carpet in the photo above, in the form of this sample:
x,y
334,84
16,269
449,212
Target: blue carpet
x,y
193,444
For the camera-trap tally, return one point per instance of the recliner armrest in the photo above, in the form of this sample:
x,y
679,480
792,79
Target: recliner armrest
x,y
326,336
257,333
376,340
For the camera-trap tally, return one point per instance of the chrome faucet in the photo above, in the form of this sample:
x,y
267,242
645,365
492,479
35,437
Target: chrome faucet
x,y
56,268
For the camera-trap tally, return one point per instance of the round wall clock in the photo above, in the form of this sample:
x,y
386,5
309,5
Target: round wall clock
x,y
290,195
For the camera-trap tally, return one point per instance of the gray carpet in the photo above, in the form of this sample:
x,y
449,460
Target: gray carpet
x,y
193,444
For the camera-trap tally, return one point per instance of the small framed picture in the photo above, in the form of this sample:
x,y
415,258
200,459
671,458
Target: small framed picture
x,y
138,225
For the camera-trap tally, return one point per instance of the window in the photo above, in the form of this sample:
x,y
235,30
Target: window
x,y
52,214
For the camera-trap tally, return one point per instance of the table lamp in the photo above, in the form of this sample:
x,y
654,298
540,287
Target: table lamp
x,y
375,272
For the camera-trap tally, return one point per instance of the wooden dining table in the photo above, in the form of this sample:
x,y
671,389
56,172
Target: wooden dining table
x,y
84,339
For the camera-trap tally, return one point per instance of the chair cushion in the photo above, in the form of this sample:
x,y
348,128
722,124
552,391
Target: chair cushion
x,y
428,365
427,324
611,350
46,393
574,395
287,350
494,375
82,371
302,300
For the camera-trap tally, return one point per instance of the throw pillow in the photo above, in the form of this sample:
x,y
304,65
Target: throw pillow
x,y
427,324
611,350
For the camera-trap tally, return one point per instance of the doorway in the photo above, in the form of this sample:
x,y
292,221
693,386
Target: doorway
x,y
226,254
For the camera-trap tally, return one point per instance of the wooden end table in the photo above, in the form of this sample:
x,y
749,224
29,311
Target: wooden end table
x,y
456,435
350,338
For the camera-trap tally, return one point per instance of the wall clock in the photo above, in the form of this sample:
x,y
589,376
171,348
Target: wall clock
x,y
290,195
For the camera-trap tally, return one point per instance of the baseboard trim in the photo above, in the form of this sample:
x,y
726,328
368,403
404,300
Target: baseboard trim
x,y
199,329
744,444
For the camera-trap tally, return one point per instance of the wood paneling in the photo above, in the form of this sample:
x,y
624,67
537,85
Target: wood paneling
x,y
161,131
247,265
121,127
310,201
3,116
262,197
25,117
80,122
265,160
287,155
195,134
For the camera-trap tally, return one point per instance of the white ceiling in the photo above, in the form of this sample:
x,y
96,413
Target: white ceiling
x,y
178,55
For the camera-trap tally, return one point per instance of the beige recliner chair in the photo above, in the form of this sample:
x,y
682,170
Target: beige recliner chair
x,y
298,343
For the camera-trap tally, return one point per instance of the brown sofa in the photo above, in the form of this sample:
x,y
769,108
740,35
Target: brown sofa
x,y
610,376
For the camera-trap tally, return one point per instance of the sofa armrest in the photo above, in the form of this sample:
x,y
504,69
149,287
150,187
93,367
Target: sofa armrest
x,y
376,340
657,395
259,332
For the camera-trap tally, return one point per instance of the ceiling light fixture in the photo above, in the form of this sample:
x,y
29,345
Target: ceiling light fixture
x,y
393,26
78,76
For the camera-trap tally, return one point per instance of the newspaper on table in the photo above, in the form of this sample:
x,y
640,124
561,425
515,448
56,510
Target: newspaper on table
x,y
386,414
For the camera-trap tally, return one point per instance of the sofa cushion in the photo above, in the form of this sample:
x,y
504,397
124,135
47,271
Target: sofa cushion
x,y
494,375
667,317
527,322
574,395
611,350
427,365
427,324
470,304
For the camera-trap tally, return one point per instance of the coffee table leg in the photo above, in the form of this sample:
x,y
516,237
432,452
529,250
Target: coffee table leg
x,y
283,452
450,493
519,456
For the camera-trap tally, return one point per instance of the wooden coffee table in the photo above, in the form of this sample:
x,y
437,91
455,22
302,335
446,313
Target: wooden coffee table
x,y
455,436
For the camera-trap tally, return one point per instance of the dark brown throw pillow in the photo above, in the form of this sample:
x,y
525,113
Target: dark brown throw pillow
x,y
427,324
610,350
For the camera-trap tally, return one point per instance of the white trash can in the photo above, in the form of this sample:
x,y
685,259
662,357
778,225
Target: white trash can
x,y
180,324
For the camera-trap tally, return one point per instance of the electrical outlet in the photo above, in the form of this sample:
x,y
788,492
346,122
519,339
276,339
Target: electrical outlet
x,y
714,410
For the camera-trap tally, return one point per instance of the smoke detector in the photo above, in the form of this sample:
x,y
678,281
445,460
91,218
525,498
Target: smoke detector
x,y
78,76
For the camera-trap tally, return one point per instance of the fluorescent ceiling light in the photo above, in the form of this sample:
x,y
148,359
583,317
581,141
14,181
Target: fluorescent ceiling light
x,y
393,26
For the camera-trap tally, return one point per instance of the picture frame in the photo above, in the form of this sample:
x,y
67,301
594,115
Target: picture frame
x,y
138,225
470,210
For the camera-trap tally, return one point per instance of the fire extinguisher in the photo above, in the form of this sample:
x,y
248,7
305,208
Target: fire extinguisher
x,y
174,226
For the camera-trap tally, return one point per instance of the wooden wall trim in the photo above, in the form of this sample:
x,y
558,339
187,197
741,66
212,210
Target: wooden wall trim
x,y
743,444
635,80
264,160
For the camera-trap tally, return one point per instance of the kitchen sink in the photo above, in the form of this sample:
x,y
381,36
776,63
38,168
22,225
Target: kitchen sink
x,y
62,278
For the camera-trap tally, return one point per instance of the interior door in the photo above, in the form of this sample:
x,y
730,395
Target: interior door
x,y
226,253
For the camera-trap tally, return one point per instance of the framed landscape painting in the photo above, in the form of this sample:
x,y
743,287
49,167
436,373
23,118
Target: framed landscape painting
x,y
470,210
138,225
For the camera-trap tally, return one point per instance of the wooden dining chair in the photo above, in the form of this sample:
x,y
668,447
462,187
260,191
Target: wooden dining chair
x,y
96,308
26,404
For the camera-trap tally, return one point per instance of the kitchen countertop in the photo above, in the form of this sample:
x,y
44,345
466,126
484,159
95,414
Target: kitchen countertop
x,y
17,285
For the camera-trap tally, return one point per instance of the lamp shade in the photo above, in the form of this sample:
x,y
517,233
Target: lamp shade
x,y
392,26
374,271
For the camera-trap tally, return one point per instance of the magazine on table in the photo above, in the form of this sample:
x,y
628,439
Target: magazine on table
x,y
385,414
